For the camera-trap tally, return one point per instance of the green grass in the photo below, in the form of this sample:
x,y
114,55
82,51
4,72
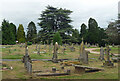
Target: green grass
x,y
12,56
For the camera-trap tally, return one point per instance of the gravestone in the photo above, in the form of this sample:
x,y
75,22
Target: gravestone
x,y
101,54
113,45
38,50
63,50
108,62
83,54
54,59
29,67
36,46
50,48
53,69
72,48
88,45
26,58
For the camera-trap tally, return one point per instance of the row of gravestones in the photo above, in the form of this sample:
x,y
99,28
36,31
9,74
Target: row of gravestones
x,y
83,58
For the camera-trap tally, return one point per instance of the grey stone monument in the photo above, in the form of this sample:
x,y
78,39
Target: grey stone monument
x,y
38,50
36,46
108,62
54,59
101,54
83,54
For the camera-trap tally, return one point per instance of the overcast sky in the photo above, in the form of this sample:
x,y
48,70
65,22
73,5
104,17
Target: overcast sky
x,y
24,11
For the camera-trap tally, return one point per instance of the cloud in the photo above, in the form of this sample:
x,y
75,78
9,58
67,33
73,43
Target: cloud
x,y
24,11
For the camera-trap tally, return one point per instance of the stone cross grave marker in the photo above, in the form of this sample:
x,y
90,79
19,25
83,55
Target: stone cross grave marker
x,y
54,59
101,54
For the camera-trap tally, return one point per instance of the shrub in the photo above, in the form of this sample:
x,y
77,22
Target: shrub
x,y
29,43
57,38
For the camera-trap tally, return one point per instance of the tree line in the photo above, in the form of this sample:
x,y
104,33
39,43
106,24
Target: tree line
x,y
55,26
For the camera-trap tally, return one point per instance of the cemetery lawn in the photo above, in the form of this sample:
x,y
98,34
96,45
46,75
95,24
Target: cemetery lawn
x,y
19,72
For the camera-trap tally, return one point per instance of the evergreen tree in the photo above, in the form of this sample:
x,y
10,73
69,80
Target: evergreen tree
x,y
83,32
55,20
93,31
21,34
75,36
13,28
32,32
8,36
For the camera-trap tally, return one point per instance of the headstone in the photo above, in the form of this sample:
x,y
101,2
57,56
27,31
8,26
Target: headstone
x,y
72,48
83,54
101,54
29,68
26,57
108,62
88,45
113,45
54,69
38,50
62,67
50,48
68,71
54,59
63,50
36,46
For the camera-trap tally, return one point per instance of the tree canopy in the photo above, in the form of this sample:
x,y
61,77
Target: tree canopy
x,y
20,34
54,20
8,32
32,32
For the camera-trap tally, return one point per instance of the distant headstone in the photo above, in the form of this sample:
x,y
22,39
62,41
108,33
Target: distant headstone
x,y
101,54
38,50
36,46
72,48
113,45
63,50
68,71
54,69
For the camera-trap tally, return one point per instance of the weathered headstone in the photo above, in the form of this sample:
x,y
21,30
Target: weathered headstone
x,y
54,59
72,48
36,46
108,62
38,50
54,69
29,67
83,54
101,54
26,57
63,50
